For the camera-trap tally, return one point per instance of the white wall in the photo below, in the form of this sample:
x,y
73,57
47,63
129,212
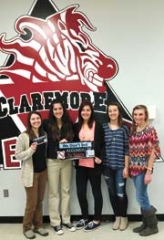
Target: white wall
x,y
133,33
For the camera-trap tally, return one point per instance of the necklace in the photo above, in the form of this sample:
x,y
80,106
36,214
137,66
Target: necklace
x,y
113,138
113,130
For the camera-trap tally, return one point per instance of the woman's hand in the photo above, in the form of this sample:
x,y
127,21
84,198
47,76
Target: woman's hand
x,y
34,146
63,140
98,160
126,172
148,177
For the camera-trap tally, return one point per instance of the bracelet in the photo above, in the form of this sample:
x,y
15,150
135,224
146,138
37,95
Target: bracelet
x,y
150,169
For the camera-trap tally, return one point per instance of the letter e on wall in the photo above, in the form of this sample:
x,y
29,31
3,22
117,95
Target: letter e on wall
x,y
8,148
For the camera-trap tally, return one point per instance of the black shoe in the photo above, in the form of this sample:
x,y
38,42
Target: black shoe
x,y
69,226
58,230
81,224
91,226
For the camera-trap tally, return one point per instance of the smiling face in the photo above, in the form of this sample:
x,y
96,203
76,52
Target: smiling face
x,y
113,112
86,113
58,111
35,121
139,116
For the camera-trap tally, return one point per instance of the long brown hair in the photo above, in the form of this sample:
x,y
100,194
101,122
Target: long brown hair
x,y
29,130
120,121
66,122
138,107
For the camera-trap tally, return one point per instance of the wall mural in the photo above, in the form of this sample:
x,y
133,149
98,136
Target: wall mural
x,y
52,56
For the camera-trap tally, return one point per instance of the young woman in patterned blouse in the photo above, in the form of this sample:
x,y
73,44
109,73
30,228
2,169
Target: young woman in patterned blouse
x,y
143,150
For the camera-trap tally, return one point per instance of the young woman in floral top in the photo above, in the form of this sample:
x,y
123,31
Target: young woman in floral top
x,y
143,150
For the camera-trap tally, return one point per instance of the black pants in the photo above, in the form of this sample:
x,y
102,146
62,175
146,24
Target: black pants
x,y
83,174
117,191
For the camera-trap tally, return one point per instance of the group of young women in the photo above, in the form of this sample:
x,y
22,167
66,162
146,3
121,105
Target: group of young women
x,y
119,152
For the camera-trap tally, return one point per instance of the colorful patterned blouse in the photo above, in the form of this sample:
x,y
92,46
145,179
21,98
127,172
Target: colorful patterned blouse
x,y
141,145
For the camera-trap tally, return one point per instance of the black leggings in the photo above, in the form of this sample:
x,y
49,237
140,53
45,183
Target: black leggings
x,y
83,174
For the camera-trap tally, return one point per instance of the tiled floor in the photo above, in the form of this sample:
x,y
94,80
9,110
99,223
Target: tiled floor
x,y
14,232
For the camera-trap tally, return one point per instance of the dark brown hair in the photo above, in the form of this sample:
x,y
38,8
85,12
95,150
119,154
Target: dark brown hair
x,y
66,122
91,120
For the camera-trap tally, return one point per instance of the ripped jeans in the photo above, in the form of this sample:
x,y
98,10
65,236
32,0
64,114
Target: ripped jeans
x,y
117,190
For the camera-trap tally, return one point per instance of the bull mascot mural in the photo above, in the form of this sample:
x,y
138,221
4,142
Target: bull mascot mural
x,y
49,58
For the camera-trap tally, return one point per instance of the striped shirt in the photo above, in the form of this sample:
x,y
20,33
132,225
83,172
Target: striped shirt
x,y
116,146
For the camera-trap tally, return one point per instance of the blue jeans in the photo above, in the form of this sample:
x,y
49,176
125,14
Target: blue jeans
x,y
117,190
141,191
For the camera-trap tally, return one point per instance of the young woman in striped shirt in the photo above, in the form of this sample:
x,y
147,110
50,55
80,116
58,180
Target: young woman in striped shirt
x,y
116,163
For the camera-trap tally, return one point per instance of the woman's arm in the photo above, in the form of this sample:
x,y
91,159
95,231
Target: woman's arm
x,y
126,151
126,168
148,176
154,146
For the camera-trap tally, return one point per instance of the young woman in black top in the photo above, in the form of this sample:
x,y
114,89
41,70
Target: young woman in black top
x,y
59,129
32,153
